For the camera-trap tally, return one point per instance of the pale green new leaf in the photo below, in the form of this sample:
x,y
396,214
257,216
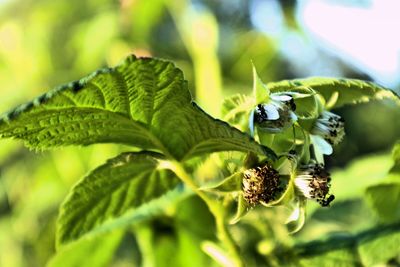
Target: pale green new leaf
x,y
337,92
125,182
142,102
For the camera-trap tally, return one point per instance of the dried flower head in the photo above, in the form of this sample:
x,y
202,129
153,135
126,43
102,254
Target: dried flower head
x,y
260,184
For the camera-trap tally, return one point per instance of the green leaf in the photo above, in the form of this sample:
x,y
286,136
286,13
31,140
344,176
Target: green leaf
x,y
94,251
396,152
142,102
380,247
372,169
385,200
337,92
396,157
236,110
340,257
373,247
125,182
175,241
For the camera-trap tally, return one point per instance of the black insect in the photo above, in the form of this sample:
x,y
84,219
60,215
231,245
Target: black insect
x,y
326,202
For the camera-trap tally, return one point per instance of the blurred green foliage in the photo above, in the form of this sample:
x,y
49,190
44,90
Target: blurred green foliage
x,y
44,43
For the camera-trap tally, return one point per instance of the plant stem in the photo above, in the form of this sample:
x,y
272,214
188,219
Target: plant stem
x,y
214,206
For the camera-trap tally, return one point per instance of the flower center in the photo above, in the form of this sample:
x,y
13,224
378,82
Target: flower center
x,y
260,184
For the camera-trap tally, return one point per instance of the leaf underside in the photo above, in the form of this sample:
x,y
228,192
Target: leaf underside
x,y
347,91
122,183
142,102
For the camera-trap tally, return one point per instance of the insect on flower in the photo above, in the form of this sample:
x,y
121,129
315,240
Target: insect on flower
x,y
275,115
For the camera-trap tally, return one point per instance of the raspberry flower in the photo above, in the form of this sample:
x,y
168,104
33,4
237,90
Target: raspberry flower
x,y
313,182
273,112
275,115
327,131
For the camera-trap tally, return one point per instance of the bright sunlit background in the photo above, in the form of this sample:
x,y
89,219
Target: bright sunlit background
x,y
44,43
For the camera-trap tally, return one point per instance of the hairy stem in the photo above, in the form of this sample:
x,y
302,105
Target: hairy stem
x,y
214,206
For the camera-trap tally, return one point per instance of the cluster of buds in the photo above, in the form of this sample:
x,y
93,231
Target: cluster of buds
x,y
260,184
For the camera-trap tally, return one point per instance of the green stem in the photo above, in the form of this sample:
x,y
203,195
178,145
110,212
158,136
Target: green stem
x,y
214,206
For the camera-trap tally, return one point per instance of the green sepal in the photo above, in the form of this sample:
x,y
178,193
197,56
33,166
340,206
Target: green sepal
x,y
241,210
232,183
260,90
297,217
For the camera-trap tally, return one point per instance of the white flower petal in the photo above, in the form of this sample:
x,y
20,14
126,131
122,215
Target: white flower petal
x,y
272,112
303,185
323,146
